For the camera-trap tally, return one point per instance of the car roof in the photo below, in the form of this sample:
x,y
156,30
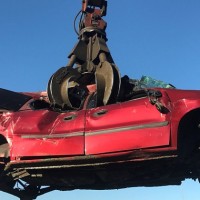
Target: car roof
x,y
12,101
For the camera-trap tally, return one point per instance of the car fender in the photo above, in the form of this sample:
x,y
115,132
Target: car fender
x,y
181,109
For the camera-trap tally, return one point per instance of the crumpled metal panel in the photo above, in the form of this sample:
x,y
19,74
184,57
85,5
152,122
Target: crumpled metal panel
x,y
47,133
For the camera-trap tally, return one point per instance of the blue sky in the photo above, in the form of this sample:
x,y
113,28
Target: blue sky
x,y
159,38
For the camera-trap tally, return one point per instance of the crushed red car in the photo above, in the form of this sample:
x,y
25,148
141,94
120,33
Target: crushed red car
x,y
93,129
149,137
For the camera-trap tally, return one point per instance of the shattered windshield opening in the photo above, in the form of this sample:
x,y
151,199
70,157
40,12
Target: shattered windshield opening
x,y
136,88
149,82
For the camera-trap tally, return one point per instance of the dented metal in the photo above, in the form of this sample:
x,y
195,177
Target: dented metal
x,y
93,129
38,142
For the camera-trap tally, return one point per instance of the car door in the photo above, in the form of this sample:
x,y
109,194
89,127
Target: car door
x,y
47,133
135,124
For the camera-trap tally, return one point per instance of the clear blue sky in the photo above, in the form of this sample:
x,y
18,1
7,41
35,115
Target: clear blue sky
x,y
159,38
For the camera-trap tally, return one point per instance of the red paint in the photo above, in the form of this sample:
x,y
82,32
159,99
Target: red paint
x,y
132,114
36,133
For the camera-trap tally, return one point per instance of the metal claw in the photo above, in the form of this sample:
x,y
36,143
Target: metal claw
x,y
108,83
67,88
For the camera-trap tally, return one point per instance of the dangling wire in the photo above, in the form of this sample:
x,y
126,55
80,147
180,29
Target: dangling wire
x,y
81,21
75,21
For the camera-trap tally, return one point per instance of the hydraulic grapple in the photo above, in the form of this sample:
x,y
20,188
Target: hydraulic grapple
x,y
90,62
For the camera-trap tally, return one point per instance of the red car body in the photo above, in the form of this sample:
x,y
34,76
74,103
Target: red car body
x,y
125,126
139,141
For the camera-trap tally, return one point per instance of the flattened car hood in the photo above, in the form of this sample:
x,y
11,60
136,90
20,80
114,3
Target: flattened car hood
x,y
12,101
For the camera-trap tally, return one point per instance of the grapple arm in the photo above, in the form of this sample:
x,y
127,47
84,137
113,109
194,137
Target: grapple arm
x,y
90,62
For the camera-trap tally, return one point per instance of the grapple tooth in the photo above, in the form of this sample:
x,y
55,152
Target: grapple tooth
x,y
108,83
57,83
73,93
49,91
53,88
67,88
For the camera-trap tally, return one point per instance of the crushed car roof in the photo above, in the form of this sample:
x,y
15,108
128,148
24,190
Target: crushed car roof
x,y
12,101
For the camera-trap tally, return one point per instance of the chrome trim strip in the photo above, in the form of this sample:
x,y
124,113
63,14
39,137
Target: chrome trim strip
x,y
105,131
62,135
128,128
